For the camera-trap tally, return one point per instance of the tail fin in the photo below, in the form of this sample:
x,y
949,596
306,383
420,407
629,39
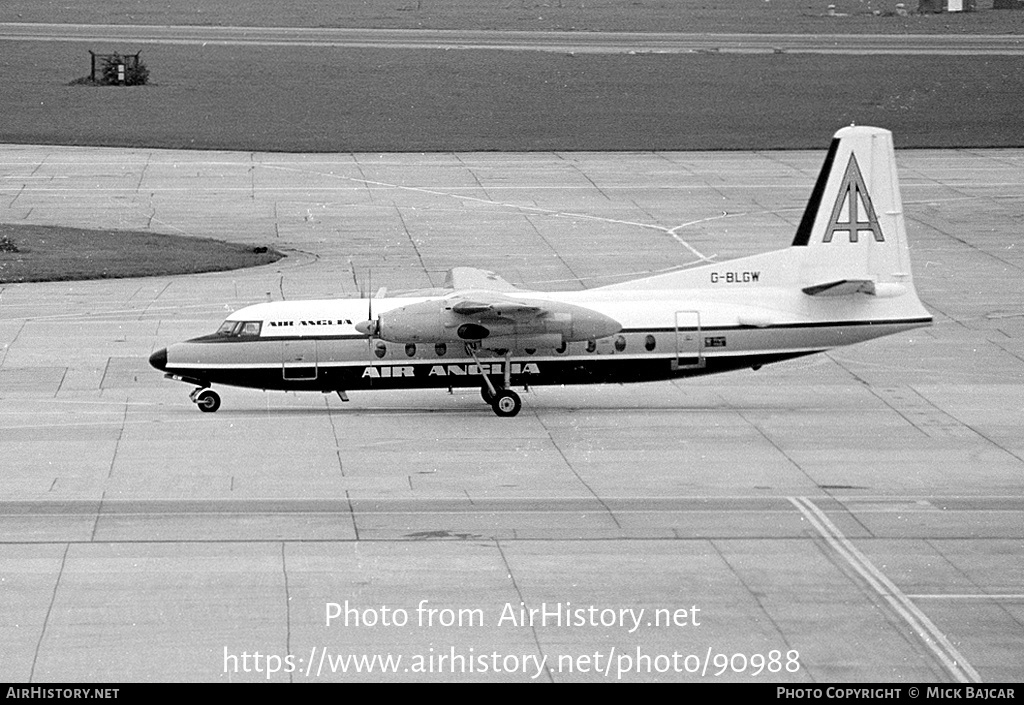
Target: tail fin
x,y
853,225
850,240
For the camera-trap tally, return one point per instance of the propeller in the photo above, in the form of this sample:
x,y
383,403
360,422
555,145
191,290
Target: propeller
x,y
370,327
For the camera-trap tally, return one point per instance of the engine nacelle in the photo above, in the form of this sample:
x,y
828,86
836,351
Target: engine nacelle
x,y
436,321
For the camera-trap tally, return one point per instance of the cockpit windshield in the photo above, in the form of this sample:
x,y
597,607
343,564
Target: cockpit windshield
x,y
237,329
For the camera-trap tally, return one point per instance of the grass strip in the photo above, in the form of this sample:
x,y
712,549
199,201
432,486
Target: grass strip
x,y
36,253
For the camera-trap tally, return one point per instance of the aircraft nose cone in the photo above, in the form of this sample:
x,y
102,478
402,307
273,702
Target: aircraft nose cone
x,y
159,359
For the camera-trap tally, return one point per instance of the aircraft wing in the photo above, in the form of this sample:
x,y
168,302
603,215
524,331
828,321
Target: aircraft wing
x,y
473,278
502,319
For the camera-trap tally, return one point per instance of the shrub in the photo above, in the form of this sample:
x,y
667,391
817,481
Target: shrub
x,y
7,244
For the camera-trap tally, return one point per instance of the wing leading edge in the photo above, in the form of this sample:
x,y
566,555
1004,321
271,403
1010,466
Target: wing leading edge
x,y
466,278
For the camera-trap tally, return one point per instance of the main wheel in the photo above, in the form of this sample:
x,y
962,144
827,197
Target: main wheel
x,y
507,403
208,401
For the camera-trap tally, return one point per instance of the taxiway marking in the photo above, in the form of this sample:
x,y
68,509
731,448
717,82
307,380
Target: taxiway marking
x,y
934,639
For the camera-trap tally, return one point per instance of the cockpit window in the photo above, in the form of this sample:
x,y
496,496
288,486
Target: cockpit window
x,y
240,328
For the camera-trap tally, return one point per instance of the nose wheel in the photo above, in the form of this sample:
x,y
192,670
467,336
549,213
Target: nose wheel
x,y
206,400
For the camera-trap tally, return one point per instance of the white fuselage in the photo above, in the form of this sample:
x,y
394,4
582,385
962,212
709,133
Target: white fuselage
x,y
307,345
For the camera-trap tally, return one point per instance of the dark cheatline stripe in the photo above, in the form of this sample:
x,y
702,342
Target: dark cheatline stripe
x,y
551,372
803,233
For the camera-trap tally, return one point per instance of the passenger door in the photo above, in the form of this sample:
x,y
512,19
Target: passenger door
x,y
299,359
689,341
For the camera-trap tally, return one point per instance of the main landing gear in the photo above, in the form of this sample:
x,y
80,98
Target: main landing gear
x,y
503,400
507,403
206,399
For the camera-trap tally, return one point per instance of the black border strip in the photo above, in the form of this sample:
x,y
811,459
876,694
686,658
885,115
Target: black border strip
x,y
803,232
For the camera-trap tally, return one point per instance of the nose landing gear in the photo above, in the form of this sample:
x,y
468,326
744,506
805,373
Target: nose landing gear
x,y
205,399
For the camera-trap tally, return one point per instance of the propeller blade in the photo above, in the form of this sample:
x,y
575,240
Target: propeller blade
x,y
370,327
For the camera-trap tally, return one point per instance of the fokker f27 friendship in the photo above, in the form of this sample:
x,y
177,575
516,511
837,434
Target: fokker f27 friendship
x,y
845,279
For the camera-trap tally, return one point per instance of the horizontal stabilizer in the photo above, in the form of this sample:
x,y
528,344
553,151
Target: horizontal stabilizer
x,y
842,287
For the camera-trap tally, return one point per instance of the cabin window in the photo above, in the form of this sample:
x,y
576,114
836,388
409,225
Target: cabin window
x,y
649,343
380,349
410,349
562,348
591,345
530,351
620,344
251,328
440,349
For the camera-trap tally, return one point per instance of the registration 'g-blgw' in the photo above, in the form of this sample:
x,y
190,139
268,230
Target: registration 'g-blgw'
x,y
845,279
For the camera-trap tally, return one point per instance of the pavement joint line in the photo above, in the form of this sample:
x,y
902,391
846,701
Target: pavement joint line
x,y
779,449
572,469
933,638
352,513
755,594
522,602
287,606
971,428
555,252
49,610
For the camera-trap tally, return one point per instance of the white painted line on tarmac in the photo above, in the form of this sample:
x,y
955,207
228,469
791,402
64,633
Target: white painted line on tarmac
x,y
505,204
966,597
934,639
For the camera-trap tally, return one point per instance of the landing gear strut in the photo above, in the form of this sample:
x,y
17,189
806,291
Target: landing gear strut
x,y
205,399
503,400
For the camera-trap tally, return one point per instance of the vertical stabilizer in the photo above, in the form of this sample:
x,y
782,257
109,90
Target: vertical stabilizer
x,y
853,228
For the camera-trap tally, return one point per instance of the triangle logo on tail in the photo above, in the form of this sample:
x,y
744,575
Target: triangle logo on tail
x,y
852,203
